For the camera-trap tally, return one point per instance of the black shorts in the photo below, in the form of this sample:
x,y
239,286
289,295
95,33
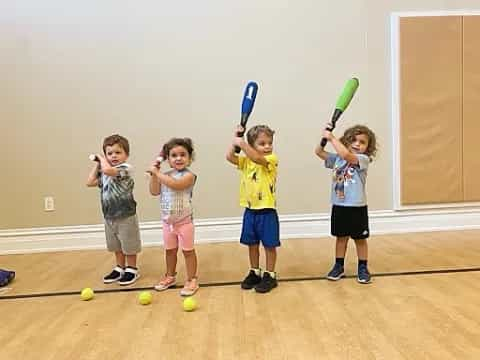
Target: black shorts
x,y
350,221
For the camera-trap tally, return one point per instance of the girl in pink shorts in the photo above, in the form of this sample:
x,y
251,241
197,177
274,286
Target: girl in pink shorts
x,y
175,188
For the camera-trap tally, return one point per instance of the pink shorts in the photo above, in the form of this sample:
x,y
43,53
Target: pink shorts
x,y
178,235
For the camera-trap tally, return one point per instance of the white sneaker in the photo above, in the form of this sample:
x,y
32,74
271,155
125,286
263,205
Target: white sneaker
x,y
167,282
190,287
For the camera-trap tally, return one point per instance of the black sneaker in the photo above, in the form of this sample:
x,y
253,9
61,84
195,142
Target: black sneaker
x,y
251,280
115,275
129,277
363,275
267,283
6,276
336,273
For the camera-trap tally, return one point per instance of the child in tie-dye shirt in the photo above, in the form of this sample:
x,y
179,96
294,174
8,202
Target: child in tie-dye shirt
x,y
113,175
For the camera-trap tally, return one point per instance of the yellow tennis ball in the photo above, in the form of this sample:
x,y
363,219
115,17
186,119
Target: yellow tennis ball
x,y
86,294
145,297
189,304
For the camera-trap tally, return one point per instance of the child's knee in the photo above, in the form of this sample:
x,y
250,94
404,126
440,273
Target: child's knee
x,y
360,242
189,253
270,250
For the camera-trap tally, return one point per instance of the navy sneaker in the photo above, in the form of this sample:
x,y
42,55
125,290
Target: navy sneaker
x,y
336,273
363,275
6,276
251,280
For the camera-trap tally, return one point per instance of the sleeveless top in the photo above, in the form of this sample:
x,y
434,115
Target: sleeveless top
x,y
176,205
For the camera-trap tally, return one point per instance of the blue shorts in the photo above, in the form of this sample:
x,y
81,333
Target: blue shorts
x,y
260,225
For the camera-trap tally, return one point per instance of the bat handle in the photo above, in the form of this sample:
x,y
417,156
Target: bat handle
x,y
93,157
335,117
244,119
158,163
243,123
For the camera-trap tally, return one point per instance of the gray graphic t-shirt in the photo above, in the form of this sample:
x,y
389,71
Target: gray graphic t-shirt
x,y
117,193
176,205
348,185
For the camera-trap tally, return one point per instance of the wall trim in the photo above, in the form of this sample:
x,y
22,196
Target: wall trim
x,y
87,237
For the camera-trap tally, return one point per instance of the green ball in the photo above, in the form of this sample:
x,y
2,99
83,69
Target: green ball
x,y
145,298
189,304
86,294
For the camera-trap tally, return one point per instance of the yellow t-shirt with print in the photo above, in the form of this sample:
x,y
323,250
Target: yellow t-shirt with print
x,y
258,183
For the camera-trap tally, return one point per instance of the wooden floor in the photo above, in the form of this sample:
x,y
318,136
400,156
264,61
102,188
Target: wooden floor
x,y
409,312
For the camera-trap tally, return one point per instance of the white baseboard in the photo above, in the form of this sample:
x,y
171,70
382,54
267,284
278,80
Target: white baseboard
x,y
19,241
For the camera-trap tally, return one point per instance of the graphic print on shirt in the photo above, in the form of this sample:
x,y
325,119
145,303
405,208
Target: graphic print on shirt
x,y
257,183
342,177
117,193
255,180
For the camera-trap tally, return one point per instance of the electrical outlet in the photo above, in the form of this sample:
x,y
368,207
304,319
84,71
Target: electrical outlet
x,y
48,203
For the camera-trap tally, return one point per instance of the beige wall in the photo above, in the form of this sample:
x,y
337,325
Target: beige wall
x,y
75,72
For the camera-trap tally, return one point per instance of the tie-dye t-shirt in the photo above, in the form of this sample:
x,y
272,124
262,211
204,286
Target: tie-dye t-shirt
x,y
117,193
348,185
176,205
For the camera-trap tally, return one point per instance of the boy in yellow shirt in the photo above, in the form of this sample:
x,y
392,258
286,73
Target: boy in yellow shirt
x,y
258,175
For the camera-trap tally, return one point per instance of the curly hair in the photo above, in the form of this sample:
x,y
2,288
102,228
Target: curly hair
x,y
184,142
116,139
349,137
256,130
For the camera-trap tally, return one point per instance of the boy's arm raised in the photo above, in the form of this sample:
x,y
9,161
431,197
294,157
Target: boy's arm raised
x,y
231,156
92,179
320,152
342,151
251,153
107,169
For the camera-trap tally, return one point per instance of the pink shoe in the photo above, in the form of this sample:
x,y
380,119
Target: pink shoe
x,y
167,282
190,287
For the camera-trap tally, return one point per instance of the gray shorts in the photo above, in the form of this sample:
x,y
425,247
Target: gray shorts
x,y
123,235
